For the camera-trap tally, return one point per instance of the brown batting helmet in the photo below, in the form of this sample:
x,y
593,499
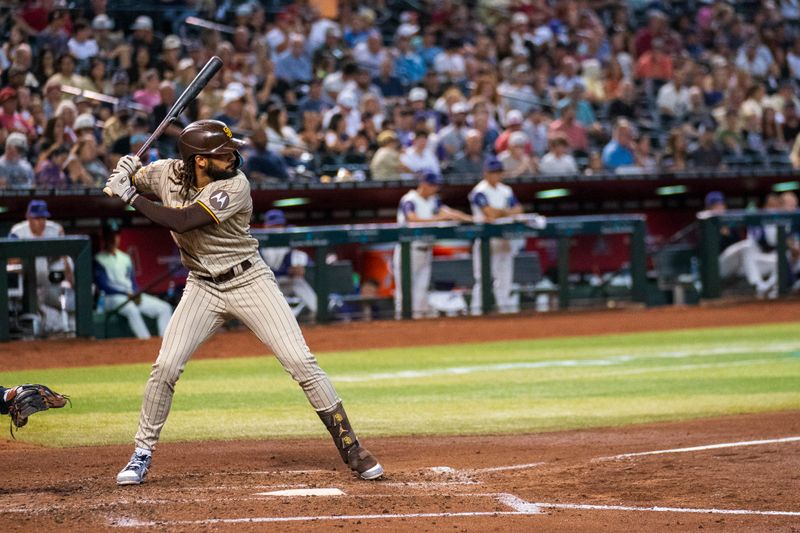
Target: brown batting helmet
x,y
207,137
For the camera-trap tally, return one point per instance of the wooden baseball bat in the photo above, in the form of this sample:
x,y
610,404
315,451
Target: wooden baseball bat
x,y
190,93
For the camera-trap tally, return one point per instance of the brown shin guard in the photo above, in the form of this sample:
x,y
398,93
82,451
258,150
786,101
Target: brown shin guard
x,y
338,425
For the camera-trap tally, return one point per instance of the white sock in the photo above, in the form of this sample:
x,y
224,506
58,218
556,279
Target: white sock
x,y
143,451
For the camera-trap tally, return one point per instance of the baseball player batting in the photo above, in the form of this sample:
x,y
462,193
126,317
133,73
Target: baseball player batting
x,y
207,206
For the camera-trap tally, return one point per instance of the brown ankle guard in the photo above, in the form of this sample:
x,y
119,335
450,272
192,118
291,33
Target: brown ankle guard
x,y
338,425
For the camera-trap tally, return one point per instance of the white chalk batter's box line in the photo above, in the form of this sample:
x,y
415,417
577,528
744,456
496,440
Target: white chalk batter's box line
x,y
518,506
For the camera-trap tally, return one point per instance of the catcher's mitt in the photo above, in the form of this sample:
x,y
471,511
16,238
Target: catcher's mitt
x,y
24,400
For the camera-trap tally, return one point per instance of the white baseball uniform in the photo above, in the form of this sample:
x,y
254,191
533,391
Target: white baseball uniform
x,y
421,254
244,289
502,250
48,293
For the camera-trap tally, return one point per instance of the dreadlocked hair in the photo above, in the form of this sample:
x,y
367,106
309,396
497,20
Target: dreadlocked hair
x,y
183,172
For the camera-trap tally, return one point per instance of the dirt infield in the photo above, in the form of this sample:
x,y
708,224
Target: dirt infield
x,y
740,473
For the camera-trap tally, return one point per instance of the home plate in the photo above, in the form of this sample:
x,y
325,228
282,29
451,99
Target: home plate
x,y
303,492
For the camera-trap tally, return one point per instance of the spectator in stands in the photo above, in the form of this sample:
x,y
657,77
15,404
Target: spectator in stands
x,y
451,138
54,275
347,107
558,161
571,129
754,57
483,122
618,153
386,163
83,166
114,275
10,117
66,75
294,65
50,170
516,160
469,161
260,164
676,152
15,171
390,86
729,134
643,155
536,126
419,156
654,64
409,65
623,105
289,266
673,99
149,96
337,141
82,45
283,139
707,154
514,120
370,54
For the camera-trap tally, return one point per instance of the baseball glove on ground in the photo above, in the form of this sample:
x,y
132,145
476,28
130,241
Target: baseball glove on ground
x,y
24,400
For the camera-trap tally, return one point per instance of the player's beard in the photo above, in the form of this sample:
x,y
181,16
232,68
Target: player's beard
x,y
217,174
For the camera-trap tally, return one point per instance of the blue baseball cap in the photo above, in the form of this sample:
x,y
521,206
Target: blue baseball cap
x,y
492,164
275,217
714,197
38,209
430,177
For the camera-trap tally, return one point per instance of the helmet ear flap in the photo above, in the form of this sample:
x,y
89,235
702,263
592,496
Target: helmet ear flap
x,y
239,159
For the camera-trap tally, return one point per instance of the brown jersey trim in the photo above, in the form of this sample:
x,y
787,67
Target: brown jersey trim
x,y
177,220
204,206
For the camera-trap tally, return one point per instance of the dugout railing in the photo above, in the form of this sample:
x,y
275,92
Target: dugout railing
x,y
79,248
322,238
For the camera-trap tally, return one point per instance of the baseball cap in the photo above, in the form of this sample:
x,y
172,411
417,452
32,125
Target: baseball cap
x,y
37,209
519,18
417,94
514,118
492,164
7,94
275,217
386,136
244,10
185,63
407,30
714,197
85,120
142,22
102,22
460,107
171,42
17,139
429,177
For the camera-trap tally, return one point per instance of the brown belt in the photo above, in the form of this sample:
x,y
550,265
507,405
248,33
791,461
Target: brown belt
x,y
230,274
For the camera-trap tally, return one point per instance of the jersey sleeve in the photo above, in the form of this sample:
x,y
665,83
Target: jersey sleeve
x,y
478,199
148,179
407,206
224,198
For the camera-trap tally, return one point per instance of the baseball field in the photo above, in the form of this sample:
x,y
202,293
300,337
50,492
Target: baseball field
x,y
651,420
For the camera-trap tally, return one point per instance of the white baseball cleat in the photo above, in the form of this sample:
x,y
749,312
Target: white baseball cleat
x,y
136,469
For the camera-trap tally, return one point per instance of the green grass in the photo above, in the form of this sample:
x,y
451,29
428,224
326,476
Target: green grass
x,y
498,387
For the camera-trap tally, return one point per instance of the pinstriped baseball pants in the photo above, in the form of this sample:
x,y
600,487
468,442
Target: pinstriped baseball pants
x,y
253,298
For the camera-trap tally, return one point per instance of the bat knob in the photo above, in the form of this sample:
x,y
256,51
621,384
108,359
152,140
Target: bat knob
x,y
108,191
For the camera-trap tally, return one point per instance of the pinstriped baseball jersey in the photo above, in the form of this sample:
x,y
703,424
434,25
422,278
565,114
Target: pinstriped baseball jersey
x,y
251,295
213,249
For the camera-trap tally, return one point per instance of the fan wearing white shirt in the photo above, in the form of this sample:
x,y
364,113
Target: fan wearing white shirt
x,y
490,199
420,205
419,157
558,161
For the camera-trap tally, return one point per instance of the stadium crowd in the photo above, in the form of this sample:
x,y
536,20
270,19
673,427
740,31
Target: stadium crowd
x,y
385,91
